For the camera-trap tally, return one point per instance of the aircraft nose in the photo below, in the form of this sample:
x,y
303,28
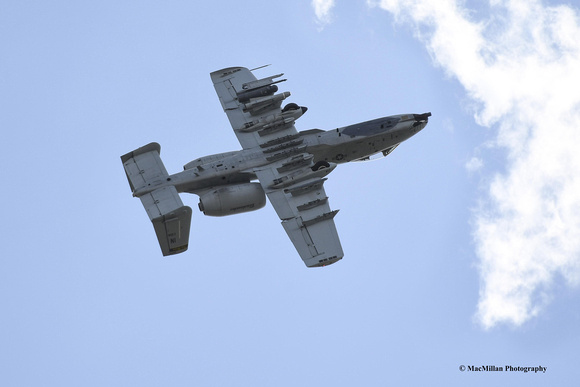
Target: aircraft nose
x,y
421,119
304,108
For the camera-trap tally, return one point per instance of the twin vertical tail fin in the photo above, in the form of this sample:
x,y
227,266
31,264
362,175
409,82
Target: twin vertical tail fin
x,y
171,219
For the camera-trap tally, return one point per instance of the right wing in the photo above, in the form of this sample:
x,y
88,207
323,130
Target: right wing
x,y
303,207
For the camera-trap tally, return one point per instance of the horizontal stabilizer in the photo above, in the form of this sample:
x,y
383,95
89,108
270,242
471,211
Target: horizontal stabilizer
x,y
144,166
171,219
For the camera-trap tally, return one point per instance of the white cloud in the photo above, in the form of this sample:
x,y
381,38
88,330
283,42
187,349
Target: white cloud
x,y
474,164
447,124
521,65
322,10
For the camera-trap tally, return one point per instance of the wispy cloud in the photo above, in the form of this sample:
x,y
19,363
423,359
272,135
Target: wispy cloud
x,y
474,165
322,10
521,65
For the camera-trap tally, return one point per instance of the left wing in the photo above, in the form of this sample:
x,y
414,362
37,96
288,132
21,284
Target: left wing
x,y
295,190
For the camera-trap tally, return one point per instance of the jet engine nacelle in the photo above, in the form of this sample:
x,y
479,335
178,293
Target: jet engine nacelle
x,y
232,199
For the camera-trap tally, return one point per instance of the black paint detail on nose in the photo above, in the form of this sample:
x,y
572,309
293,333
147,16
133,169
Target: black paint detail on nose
x,y
422,117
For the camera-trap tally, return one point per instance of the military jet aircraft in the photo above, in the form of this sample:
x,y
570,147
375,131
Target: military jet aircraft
x,y
290,166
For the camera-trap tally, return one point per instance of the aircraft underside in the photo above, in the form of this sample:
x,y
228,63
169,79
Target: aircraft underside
x,y
290,167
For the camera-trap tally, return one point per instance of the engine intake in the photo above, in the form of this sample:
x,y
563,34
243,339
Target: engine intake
x,y
232,199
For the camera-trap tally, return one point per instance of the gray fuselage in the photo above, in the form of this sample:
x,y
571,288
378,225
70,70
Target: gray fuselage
x,y
341,145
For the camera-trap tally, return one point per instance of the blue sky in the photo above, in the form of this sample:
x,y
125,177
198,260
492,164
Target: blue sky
x,y
461,247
